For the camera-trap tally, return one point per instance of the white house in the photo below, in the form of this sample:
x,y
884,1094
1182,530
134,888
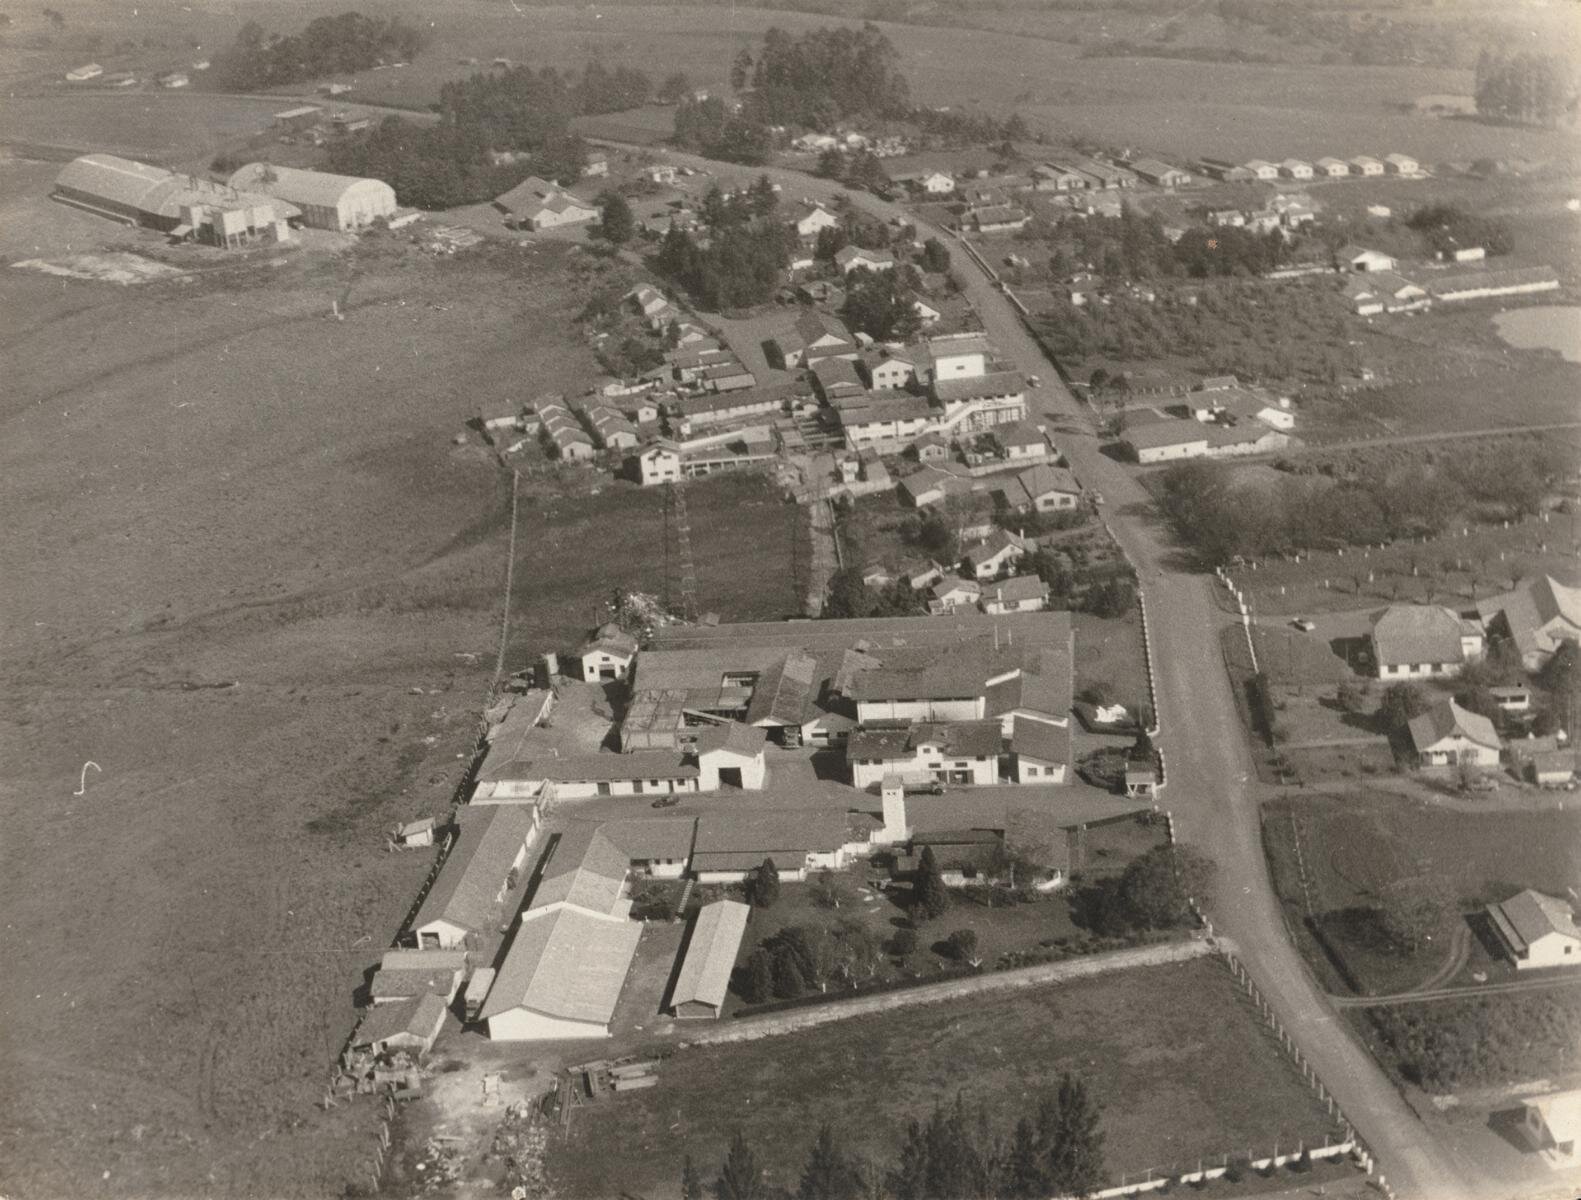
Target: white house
x,y
926,313
607,655
956,752
999,551
731,755
704,978
536,203
1262,169
562,976
1023,593
958,356
1020,443
810,218
658,464
933,183
1040,749
1422,641
952,593
1360,258
1401,164
1364,164
1537,930
855,258
1295,168
1042,488
1538,617
1332,168
583,776
1447,735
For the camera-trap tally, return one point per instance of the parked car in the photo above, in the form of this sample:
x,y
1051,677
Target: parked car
x,y
1304,625
667,801
933,788
1034,381
1483,783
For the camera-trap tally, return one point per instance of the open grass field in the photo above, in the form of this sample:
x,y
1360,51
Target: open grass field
x,y
1154,1045
1356,846
1161,106
250,577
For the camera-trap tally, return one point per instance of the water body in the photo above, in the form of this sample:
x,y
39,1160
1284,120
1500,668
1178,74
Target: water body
x,y
1550,327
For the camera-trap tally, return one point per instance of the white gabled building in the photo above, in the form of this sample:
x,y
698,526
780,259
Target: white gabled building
x,y
1536,930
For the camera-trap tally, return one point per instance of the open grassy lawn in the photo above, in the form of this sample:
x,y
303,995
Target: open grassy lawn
x,y
1357,846
1109,651
249,576
1154,1045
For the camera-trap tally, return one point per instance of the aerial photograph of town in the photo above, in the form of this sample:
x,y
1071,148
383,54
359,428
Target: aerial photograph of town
x,y
790,599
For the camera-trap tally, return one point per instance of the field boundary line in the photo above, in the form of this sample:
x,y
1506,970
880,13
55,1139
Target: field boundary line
x,y
1070,970
510,578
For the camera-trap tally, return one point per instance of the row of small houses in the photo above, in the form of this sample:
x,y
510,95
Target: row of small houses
x,y
1362,166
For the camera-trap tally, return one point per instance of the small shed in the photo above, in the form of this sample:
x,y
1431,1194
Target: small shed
x,y
710,957
1141,780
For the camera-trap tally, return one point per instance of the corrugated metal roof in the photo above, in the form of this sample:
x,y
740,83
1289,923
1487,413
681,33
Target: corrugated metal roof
x,y
711,954
568,964
305,187
137,185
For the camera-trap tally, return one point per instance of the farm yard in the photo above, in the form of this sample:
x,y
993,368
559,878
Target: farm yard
x,y
871,1073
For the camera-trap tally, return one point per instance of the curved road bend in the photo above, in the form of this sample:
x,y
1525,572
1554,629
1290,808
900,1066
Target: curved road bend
x,y
1209,767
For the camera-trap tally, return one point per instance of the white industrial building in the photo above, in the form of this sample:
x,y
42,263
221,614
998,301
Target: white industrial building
x,y
338,202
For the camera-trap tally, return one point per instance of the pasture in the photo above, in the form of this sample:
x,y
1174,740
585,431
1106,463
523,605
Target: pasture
x,y
1153,1044
250,578
1173,108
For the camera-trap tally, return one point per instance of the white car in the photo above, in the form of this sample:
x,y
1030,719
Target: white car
x,y
1034,381
1304,625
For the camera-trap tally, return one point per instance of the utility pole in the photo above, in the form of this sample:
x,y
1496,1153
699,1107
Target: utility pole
x,y
676,516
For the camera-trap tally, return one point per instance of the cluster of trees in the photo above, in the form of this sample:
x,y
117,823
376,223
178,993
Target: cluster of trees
x,y
879,303
709,127
1235,327
956,1154
1382,500
1363,35
849,596
821,78
443,165
748,248
1153,892
1527,86
855,168
1134,246
804,958
602,90
960,127
1448,227
327,46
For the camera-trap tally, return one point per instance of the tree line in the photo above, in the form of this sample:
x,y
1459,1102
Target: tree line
x,y
327,46
1384,499
958,1152
1527,87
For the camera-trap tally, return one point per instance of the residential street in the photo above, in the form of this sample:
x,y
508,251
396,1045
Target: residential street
x,y
1215,807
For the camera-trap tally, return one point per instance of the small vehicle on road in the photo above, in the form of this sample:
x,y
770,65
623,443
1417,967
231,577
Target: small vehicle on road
x,y
931,788
1304,625
1483,783
667,801
1034,381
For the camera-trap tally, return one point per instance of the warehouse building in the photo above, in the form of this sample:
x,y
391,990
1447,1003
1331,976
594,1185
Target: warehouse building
x,y
149,197
338,202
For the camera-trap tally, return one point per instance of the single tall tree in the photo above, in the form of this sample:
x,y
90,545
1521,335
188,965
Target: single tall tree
x,y
829,1173
691,1181
616,224
765,887
739,1175
1070,1130
929,897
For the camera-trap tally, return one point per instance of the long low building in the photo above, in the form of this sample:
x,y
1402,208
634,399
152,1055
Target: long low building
x,y
338,202
464,900
562,976
183,206
731,844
